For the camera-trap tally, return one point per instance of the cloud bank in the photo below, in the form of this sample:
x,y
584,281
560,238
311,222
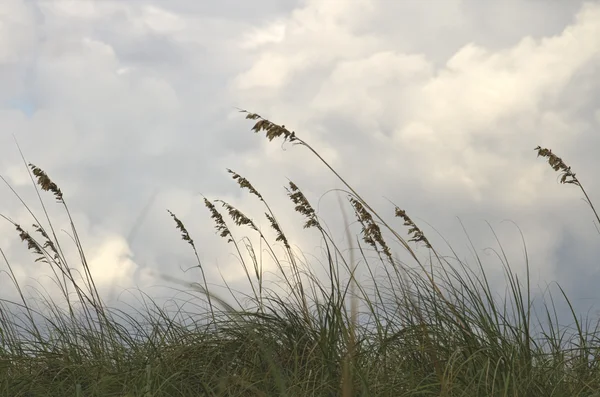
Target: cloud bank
x,y
130,107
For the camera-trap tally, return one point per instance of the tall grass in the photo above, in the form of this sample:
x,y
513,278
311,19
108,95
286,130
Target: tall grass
x,y
429,328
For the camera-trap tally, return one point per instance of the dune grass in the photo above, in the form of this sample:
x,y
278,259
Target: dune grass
x,y
428,328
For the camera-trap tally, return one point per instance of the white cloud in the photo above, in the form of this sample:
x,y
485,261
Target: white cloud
x,y
162,21
435,106
110,261
274,33
17,38
81,9
463,130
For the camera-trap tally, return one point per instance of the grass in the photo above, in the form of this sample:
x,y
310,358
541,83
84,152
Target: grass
x,y
431,329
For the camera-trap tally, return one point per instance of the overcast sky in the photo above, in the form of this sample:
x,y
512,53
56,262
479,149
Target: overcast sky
x,y
435,105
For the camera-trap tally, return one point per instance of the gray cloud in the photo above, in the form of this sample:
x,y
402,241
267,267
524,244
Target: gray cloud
x,y
435,106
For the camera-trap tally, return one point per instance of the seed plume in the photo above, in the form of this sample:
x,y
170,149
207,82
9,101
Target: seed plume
x,y
417,234
220,224
302,205
370,230
46,183
558,164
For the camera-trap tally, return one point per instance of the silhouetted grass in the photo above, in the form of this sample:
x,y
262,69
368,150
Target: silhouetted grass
x,y
428,329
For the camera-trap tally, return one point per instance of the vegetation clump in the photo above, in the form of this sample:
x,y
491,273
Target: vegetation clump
x,y
434,329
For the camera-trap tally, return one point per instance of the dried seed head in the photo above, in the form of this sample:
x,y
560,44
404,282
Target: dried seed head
x,y
49,244
32,245
220,224
245,184
567,176
370,230
273,130
237,216
417,234
280,236
46,183
302,205
181,227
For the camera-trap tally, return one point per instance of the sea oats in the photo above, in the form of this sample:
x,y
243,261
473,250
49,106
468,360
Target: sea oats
x,y
245,184
237,216
48,242
272,130
558,164
370,229
567,176
220,224
186,237
302,205
414,230
181,227
46,183
280,236
32,245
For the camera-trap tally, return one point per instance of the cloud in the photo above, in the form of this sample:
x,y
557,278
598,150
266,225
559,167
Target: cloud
x,y
120,103
129,106
442,138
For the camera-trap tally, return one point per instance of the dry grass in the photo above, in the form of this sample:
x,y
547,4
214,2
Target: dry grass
x,y
433,331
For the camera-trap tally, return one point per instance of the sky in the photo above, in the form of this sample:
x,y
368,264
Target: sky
x,y
436,106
